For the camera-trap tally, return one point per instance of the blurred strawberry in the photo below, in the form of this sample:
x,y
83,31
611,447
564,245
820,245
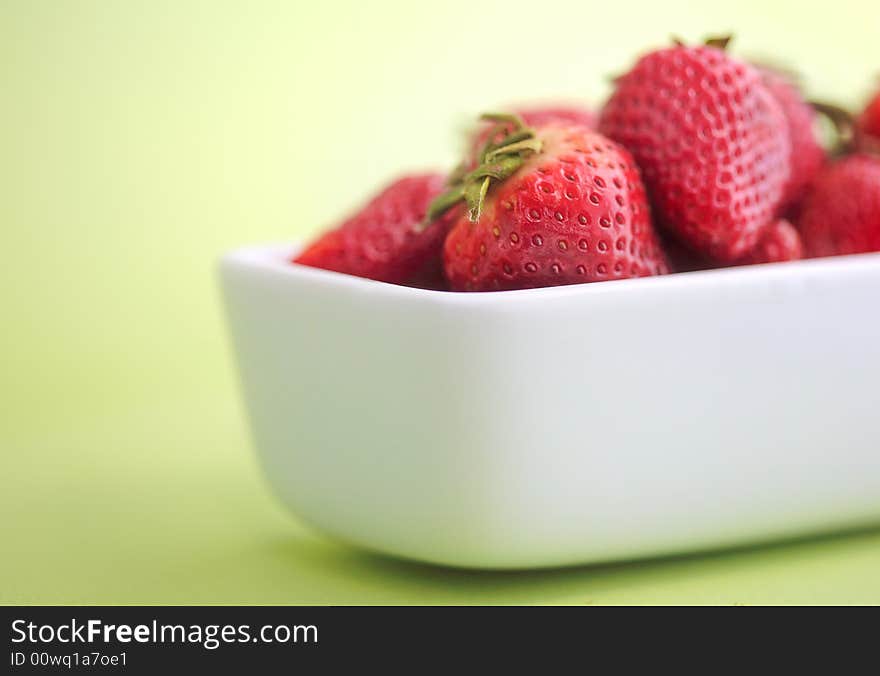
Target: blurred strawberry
x,y
380,241
807,154
841,213
711,141
868,126
779,242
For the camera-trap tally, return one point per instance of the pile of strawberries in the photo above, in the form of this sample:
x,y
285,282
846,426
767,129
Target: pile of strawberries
x,y
698,160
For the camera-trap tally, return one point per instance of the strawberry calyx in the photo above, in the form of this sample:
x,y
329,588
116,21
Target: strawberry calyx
x,y
844,125
717,41
850,137
509,143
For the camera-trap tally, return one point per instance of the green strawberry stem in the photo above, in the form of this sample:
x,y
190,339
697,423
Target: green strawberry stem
x,y
498,160
719,42
844,126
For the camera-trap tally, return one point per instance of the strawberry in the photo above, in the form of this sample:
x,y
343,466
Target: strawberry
x,y
380,241
841,214
868,125
711,141
778,242
806,155
557,204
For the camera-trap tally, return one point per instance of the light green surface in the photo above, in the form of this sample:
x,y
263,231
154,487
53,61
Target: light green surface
x,y
141,139
165,504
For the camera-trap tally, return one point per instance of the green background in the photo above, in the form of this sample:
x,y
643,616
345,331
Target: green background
x,y
139,140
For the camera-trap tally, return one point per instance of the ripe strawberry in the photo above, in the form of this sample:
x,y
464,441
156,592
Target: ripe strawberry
x,y
380,241
869,125
778,242
841,214
558,204
711,142
806,155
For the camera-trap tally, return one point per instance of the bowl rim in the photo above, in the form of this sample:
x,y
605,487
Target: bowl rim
x,y
275,258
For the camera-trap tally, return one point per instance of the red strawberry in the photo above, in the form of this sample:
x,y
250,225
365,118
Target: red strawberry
x,y
554,205
869,125
807,154
380,241
841,214
711,142
779,242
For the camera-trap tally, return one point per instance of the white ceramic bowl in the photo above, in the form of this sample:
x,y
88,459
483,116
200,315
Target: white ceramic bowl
x,y
564,425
